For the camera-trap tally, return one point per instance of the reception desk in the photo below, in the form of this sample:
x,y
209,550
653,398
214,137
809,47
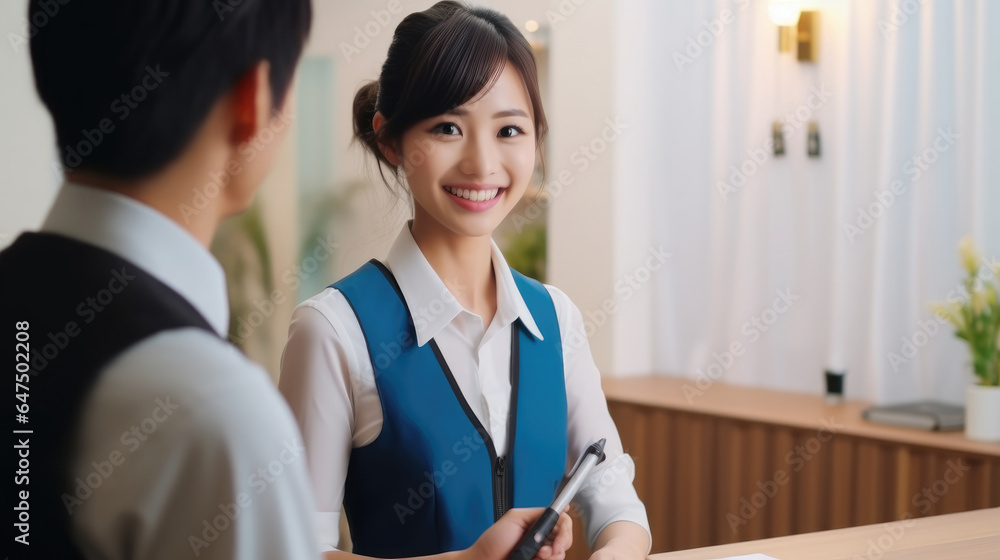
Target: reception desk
x,y
727,464
972,535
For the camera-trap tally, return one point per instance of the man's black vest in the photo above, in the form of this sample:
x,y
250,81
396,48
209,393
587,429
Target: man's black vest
x,y
81,306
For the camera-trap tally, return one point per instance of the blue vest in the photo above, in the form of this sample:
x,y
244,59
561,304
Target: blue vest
x,y
431,481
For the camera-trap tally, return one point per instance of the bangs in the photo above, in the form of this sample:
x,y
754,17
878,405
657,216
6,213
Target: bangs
x,y
460,58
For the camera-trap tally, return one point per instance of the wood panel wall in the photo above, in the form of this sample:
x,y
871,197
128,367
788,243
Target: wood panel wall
x,y
710,480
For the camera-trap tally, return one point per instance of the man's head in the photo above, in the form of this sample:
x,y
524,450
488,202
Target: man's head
x,y
131,85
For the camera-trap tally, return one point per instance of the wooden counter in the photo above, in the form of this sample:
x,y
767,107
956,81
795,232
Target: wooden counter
x,y
728,464
973,535
775,407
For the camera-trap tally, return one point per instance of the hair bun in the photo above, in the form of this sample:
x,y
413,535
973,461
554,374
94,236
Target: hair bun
x,y
365,103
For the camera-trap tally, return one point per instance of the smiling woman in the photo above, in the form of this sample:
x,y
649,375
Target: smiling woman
x,y
385,392
462,55
474,163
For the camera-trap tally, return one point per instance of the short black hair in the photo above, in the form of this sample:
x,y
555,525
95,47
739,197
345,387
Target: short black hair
x,y
129,82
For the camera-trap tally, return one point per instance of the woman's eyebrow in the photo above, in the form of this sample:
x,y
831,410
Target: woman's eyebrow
x,y
510,113
507,113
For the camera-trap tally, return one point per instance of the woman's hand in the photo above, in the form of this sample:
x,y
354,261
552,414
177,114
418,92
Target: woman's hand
x,y
499,540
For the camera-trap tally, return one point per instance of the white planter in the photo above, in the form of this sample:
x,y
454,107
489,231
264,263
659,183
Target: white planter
x,y
982,413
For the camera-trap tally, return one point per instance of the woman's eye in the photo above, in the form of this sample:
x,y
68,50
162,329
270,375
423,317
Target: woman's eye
x,y
510,131
448,129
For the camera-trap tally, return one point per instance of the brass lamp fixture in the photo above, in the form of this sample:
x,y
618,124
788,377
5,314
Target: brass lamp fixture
x,y
798,30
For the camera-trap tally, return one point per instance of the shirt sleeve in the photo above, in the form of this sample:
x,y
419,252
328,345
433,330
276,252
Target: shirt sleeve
x,y
608,496
188,451
315,380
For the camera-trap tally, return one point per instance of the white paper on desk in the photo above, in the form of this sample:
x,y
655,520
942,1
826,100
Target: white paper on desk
x,y
749,557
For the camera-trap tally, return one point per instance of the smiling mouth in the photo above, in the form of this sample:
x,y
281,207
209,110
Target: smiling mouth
x,y
474,195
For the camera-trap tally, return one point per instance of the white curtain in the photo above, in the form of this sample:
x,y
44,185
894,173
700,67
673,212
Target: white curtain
x,y
802,264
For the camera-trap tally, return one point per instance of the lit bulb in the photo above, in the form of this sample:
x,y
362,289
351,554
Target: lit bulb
x,y
784,13
531,25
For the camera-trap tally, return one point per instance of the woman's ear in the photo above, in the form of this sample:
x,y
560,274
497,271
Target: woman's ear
x,y
390,154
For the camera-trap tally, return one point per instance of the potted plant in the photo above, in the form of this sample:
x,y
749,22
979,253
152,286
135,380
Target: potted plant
x,y
976,318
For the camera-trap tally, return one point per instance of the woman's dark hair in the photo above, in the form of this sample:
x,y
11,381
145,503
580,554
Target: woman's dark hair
x,y
439,59
128,82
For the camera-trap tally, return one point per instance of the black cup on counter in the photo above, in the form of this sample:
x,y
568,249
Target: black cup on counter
x,y
834,386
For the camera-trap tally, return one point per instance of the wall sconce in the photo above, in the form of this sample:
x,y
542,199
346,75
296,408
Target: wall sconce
x,y
784,13
798,30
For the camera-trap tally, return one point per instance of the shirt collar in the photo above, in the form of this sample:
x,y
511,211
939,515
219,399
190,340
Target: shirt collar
x,y
510,304
428,299
146,238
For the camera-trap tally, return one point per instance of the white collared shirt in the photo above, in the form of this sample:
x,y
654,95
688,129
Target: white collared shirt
x,y
181,428
327,377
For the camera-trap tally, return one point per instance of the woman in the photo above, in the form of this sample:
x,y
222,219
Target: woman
x,y
435,391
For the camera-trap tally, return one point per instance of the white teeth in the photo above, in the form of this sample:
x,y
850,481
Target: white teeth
x,y
474,195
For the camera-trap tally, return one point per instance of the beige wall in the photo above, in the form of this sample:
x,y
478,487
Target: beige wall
x,y
27,145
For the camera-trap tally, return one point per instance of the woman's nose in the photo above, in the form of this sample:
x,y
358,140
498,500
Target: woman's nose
x,y
479,158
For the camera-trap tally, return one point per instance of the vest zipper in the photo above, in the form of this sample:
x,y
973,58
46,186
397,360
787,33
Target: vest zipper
x,y
500,487
502,494
503,497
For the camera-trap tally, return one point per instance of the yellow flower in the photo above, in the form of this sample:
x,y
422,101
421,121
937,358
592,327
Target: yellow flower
x,y
978,301
951,312
969,254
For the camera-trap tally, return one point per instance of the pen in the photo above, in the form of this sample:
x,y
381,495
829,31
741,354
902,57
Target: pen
x,y
534,537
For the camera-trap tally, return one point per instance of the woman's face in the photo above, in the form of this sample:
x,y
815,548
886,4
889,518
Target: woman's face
x,y
468,168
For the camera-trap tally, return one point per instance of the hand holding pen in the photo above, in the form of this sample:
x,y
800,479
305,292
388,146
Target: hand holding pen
x,y
497,542
535,537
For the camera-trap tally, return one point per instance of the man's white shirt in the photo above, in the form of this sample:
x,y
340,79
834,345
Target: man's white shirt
x,y
184,448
